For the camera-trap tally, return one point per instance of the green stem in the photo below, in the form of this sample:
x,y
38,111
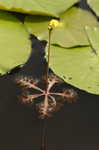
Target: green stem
x,y
48,61
44,126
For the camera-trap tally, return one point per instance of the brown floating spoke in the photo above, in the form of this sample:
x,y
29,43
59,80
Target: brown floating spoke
x,y
53,100
49,102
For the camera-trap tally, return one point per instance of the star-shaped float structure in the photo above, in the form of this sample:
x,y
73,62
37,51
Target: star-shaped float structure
x,y
50,100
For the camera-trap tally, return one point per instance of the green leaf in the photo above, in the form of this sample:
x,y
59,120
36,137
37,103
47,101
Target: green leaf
x,y
93,35
38,26
43,7
14,43
94,4
79,66
70,31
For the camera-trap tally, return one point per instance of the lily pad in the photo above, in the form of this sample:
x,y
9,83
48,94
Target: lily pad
x,y
94,4
70,31
79,66
14,42
43,7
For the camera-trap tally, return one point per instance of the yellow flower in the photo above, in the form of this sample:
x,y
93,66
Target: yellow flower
x,y
53,24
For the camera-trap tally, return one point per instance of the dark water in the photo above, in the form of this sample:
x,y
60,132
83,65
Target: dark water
x,y
74,127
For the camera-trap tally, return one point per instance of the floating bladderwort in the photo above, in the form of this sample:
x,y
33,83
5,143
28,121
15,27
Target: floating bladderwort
x,y
50,99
